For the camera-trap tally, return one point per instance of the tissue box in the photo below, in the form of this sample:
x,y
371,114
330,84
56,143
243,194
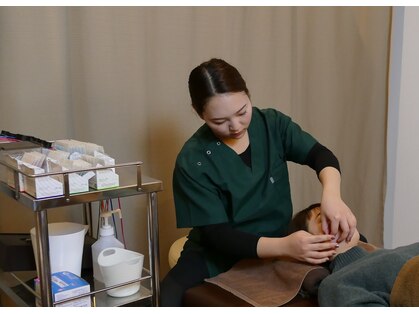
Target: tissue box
x,y
66,285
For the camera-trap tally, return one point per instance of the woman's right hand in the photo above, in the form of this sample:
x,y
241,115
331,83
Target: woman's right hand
x,y
313,249
300,245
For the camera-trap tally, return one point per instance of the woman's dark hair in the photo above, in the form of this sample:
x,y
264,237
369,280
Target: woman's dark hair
x,y
211,78
299,221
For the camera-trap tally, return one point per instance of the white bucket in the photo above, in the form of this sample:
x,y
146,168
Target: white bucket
x,y
66,240
118,266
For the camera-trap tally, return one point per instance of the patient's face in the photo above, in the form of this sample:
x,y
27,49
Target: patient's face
x,y
314,226
314,223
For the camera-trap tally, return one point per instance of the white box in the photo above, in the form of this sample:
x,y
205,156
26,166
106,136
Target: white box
x,y
66,285
43,186
78,181
37,187
11,174
104,179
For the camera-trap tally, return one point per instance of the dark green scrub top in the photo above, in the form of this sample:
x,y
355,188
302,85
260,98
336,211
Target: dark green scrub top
x,y
212,185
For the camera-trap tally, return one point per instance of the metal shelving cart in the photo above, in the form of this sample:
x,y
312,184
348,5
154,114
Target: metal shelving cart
x,y
130,185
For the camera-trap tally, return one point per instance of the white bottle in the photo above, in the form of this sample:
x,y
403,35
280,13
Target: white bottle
x,y
106,240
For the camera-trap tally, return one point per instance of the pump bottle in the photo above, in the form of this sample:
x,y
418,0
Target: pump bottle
x,y
106,240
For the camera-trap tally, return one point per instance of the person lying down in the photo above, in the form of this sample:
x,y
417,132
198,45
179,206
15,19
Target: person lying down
x,y
358,277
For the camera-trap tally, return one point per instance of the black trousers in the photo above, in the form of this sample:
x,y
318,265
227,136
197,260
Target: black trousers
x,y
190,271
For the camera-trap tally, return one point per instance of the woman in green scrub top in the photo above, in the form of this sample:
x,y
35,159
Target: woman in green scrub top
x,y
231,185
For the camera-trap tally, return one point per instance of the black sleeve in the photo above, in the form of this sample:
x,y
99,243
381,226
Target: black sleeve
x,y
224,238
320,157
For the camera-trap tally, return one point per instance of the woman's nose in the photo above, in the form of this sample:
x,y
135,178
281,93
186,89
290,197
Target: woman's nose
x,y
234,125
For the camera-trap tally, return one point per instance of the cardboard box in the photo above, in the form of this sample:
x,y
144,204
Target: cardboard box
x,y
104,179
37,187
66,285
10,179
43,186
78,182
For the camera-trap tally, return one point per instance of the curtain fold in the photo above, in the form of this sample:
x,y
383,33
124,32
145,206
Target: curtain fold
x,y
117,76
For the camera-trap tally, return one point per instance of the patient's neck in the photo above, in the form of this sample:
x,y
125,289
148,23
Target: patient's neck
x,y
345,246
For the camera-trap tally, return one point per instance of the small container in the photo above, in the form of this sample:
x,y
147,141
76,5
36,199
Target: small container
x,y
119,266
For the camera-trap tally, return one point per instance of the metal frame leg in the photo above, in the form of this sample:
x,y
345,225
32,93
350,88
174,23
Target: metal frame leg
x,y
153,238
87,217
44,267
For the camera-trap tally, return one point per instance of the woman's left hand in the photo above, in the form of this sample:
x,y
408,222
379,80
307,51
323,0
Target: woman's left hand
x,y
337,218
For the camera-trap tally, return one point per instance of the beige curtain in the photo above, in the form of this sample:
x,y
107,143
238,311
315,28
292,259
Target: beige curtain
x,y
117,76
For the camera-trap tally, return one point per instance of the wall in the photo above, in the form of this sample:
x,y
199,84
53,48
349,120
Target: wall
x,y
401,214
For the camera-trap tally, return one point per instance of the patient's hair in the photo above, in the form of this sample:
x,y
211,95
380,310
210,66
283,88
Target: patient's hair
x,y
300,220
